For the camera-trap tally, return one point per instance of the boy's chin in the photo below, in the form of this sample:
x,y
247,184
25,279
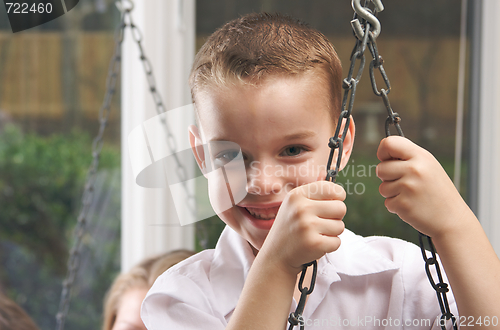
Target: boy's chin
x,y
253,230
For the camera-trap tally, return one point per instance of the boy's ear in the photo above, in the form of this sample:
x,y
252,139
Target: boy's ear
x,y
348,143
197,147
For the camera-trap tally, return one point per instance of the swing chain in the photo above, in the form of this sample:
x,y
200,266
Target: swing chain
x,y
79,231
349,85
171,141
296,318
440,287
393,118
111,82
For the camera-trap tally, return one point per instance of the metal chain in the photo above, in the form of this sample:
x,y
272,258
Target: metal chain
x,y
80,228
111,81
349,85
296,318
202,231
393,118
366,29
440,287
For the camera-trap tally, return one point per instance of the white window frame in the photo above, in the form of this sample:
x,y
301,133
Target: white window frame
x,y
488,194
168,30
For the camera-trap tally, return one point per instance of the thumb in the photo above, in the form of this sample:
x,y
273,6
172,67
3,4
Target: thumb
x,y
395,147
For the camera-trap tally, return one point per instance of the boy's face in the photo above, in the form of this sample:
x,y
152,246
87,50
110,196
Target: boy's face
x,y
282,127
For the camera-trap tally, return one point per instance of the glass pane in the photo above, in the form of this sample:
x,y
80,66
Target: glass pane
x,y
52,84
419,43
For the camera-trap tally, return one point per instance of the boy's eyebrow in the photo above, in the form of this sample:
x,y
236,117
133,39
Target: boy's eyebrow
x,y
301,135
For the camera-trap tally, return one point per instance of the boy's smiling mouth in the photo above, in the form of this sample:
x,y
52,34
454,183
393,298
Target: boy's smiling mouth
x,y
263,213
260,215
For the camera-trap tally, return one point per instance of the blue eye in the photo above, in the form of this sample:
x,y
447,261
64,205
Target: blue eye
x,y
293,151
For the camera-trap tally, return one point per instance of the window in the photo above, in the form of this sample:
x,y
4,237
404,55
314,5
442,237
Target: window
x,y
52,83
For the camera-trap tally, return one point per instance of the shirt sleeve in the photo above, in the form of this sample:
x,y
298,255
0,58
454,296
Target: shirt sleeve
x,y
178,302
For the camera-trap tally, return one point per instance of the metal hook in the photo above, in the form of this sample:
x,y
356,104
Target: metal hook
x,y
122,8
368,16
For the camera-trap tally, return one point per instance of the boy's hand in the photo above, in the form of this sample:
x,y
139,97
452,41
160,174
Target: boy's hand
x,y
417,188
307,225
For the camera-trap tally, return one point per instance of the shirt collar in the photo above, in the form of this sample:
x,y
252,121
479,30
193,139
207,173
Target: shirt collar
x,y
355,257
233,257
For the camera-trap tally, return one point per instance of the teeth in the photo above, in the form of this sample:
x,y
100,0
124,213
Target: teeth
x,y
263,214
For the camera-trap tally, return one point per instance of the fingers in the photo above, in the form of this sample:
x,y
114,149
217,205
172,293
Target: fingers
x,y
395,147
392,204
328,216
320,212
389,189
325,234
391,170
326,219
331,228
331,209
329,243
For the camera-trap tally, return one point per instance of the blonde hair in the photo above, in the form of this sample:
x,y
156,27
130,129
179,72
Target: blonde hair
x,y
255,46
142,275
12,316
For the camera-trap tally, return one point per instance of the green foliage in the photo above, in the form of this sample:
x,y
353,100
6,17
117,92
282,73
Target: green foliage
x,y
41,184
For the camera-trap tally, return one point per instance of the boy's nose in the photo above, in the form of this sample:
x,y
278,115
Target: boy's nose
x,y
262,179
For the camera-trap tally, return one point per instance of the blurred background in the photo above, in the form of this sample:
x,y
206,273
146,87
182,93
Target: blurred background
x,y
52,84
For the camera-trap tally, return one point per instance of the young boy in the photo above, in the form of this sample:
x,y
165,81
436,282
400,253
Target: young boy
x,y
272,86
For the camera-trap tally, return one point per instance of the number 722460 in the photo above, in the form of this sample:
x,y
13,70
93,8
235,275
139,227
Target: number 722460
x,y
24,8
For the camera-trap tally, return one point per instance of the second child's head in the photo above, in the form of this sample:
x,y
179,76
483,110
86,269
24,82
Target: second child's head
x,y
266,88
122,303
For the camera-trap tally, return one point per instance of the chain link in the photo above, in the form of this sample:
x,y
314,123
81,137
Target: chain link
x,y
336,142
88,193
201,226
365,37
440,287
97,144
295,318
180,170
394,119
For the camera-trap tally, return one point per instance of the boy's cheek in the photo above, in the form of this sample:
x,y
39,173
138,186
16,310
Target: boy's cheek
x,y
302,175
310,174
226,186
219,192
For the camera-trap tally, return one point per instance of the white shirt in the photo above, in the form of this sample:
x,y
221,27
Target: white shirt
x,y
368,283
